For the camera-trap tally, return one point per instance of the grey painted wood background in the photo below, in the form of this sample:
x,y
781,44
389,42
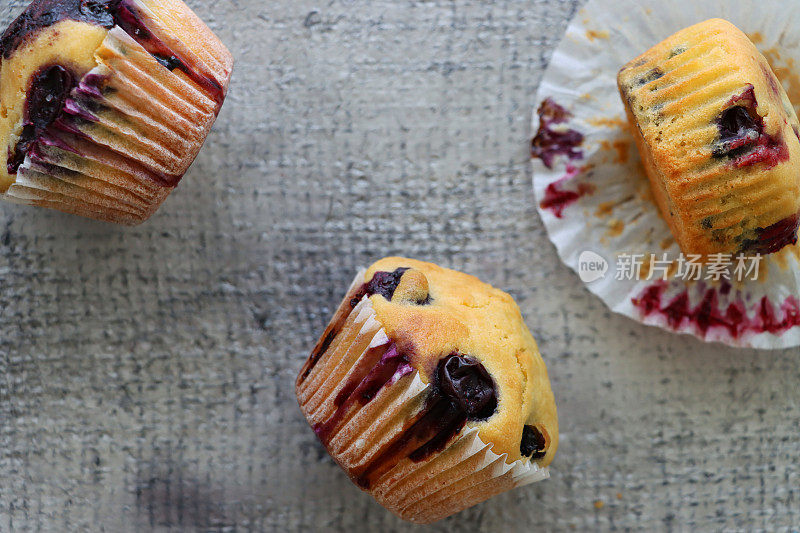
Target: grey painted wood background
x,y
146,374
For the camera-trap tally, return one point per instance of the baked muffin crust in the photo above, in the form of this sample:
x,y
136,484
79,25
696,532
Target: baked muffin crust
x,y
719,139
428,390
462,315
104,104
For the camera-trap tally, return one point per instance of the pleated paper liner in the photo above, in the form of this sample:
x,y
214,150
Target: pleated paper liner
x,y
180,33
132,126
592,192
468,472
361,397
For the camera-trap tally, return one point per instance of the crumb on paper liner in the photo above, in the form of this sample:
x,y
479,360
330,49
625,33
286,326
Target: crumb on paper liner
x,y
592,192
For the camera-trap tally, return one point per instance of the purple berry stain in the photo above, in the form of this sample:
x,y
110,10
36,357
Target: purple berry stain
x,y
550,142
557,198
773,238
741,134
462,391
127,18
711,315
46,95
382,283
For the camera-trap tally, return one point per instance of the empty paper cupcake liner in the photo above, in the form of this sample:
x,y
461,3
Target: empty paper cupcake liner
x,y
595,200
363,400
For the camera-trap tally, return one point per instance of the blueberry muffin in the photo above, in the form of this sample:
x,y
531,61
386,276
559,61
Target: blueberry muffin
x,y
719,139
429,391
104,104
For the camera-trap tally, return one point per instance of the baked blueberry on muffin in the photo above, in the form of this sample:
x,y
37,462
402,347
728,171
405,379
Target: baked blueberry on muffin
x,y
429,391
719,139
104,104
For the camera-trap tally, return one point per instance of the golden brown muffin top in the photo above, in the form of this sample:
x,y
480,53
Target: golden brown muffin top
x,y
433,312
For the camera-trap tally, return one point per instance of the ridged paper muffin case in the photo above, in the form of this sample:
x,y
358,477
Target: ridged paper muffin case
x,y
593,195
465,474
721,190
360,396
133,124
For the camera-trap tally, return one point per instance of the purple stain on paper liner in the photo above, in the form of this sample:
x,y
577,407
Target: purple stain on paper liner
x,y
92,85
383,283
709,316
72,109
725,287
127,17
462,390
557,197
773,238
381,366
550,142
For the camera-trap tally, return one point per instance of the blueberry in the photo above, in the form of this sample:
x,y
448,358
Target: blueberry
x,y
467,383
651,75
740,126
737,123
385,283
48,91
533,444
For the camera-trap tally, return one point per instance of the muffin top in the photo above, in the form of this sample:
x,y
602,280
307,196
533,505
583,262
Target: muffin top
x,y
468,340
45,13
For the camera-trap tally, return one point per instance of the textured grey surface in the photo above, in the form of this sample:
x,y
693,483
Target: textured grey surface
x,y
146,374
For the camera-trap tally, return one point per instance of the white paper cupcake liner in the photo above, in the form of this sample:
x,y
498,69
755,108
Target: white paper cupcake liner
x,y
355,433
596,204
465,474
